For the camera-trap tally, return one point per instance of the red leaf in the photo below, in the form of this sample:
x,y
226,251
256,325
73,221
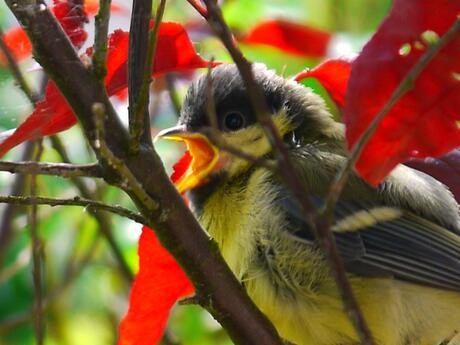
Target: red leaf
x,y
175,52
18,43
158,285
71,14
423,122
50,116
290,37
53,115
333,74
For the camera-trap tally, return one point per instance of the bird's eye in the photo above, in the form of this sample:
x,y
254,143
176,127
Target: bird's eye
x,y
234,121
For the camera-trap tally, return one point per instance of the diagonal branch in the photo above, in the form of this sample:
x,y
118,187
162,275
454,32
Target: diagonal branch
x,y
173,222
100,39
32,96
289,173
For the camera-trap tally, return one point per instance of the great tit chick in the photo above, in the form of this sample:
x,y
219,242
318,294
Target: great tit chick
x,y
399,242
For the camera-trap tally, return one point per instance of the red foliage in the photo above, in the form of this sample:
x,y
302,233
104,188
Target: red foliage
x,y
423,122
71,14
18,44
333,74
72,19
52,115
290,37
158,285
175,52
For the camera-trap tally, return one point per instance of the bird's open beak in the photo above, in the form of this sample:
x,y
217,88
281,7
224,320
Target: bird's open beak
x,y
190,173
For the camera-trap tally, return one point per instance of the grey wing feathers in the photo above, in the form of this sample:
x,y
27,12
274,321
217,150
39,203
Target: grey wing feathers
x,y
408,247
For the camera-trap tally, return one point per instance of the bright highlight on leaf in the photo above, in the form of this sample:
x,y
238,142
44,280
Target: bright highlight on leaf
x,y
424,121
175,53
290,37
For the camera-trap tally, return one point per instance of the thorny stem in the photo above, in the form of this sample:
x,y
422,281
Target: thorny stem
x,y
404,86
37,259
32,96
139,124
290,175
53,169
100,39
76,201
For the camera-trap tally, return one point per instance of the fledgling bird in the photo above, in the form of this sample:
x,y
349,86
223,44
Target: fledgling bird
x,y
400,242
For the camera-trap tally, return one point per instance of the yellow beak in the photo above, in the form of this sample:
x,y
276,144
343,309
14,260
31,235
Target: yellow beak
x,y
204,157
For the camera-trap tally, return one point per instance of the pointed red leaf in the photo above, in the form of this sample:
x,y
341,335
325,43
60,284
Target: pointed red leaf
x,y
290,37
423,122
174,53
333,74
50,116
158,285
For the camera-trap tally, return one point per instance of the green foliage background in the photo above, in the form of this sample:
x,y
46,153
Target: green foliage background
x,y
85,298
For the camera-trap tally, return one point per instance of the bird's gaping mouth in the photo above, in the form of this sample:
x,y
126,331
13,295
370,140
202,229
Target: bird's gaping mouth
x,y
200,159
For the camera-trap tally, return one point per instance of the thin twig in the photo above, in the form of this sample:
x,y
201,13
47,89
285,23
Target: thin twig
x,y
32,96
216,139
404,86
71,274
37,258
290,175
8,214
140,123
129,180
100,39
53,169
210,103
76,201
104,222
197,5
174,97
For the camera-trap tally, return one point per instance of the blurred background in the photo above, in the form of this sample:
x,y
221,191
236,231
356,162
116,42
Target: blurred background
x,y
90,259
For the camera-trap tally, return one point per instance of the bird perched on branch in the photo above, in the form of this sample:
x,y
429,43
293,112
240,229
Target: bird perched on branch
x,y
399,242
